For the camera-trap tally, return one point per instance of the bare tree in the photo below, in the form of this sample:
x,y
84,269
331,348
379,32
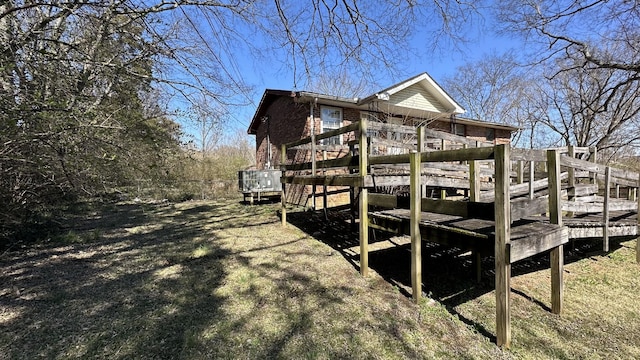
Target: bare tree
x,y
588,51
602,33
594,107
498,89
74,75
340,83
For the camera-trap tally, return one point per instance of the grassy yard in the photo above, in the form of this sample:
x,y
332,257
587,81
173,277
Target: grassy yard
x,y
204,280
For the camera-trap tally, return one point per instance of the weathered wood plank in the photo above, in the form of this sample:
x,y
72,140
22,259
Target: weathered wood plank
x,y
435,181
523,245
392,143
596,231
502,239
605,209
532,178
431,133
597,207
521,189
465,209
555,217
325,180
474,181
583,189
416,239
528,154
325,164
343,130
283,195
364,204
436,168
469,154
394,227
384,200
521,208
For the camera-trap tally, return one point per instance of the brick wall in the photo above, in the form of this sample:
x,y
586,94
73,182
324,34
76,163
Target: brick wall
x,y
287,122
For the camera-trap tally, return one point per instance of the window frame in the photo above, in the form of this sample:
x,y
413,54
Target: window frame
x,y
464,129
323,128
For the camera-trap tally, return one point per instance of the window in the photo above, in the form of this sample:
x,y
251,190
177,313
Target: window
x,y
459,129
331,118
490,134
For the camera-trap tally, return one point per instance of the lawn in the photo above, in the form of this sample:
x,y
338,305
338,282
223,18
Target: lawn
x,y
223,280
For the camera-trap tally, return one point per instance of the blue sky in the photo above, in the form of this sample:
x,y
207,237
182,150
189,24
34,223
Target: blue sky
x,y
271,72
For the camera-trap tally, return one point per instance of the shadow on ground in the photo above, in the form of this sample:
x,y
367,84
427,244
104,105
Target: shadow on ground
x,y
448,273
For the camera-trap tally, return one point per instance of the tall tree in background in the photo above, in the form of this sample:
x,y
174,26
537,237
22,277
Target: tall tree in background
x,y
74,76
495,88
588,53
73,118
593,107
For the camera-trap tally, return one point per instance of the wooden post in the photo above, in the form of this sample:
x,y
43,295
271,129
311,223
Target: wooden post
x,y
421,146
572,176
532,177
416,239
594,159
502,207
352,192
520,172
313,169
283,194
325,201
474,181
638,231
605,209
443,192
571,152
555,217
364,201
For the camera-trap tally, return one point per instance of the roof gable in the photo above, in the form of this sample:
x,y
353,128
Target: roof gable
x,y
417,97
420,92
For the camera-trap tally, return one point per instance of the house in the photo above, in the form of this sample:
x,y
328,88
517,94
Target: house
x,y
284,116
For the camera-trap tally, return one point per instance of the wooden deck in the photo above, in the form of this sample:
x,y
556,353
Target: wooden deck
x,y
588,226
528,236
516,203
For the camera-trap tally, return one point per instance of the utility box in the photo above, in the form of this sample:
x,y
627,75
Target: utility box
x,y
263,183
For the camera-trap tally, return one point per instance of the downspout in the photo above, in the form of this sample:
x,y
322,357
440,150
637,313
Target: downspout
x,y
269,142
312,105
313,149
266,119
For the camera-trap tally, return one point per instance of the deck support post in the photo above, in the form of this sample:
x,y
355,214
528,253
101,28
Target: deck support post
x,y
502,208
416,239
532,177
605,209
572,177
474,181
593,156
555,217
283,194
313,170
364,200
520,172
638,231
474,195
325,200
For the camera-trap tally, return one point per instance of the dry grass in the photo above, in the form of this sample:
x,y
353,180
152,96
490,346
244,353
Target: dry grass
x,y
201,280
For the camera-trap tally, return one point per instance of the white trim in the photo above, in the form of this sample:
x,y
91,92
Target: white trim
x,y
322,128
